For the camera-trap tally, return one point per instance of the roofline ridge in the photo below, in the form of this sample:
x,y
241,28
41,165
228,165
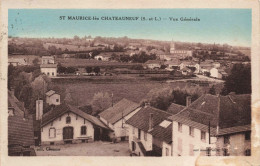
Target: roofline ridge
x,y
158,110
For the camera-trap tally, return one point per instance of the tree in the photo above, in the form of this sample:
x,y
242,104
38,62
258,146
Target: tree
x,y
100,102
239,80
35,61
163,66
11,76
96,69
159,98
212,90
179,96
89,69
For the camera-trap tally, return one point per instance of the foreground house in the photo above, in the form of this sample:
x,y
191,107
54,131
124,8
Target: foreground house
x,y
67,124
141,126
20,129
213,122
116,116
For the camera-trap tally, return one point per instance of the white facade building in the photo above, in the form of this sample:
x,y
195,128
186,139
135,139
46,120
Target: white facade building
x,y
49,69
116,116
66,123
52,98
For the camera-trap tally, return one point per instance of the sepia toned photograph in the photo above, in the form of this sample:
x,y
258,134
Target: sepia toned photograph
x,y
129,82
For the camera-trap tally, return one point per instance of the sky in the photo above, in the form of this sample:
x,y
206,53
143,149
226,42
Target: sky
x,y
230,26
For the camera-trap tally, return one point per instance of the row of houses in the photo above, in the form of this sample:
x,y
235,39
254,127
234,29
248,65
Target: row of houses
x,y
211,125
212,69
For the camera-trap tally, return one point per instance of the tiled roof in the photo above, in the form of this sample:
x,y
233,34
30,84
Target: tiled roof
x,y
48,65
14,103
163,134
20,131
235,129
140,119
17,60
223,111
65,108
175,108
49,93
114,114
235,110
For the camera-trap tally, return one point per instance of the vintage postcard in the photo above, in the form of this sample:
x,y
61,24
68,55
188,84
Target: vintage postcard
x,y
126,81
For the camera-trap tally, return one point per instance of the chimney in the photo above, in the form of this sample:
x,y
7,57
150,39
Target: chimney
x,y
188,101
39,109
151,121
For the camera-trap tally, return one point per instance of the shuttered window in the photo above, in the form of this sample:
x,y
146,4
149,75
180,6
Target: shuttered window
x,y
52,132
83,130
68,120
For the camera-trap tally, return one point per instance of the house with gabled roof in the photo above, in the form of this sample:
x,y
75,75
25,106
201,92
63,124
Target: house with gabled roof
x,y
116,116
52,98
141,126
214,122
68,124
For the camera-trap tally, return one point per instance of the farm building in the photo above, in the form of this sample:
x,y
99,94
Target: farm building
x,y
67,124
116,116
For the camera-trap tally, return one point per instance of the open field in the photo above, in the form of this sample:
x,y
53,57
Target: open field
x,y
136,90
74,62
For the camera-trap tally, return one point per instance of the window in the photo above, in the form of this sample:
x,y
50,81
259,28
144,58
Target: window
x,y
179,127
48,73
248,152
57,100
208,151
68,120
247,135
203,135
145,136
52,132
53,73
83,130
133,146
191,131
139,134
226,139
225,152
166,151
